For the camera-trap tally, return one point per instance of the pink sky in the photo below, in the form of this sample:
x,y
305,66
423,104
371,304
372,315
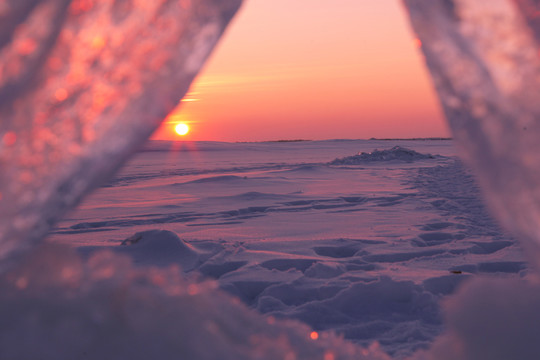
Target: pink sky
x,y
312,69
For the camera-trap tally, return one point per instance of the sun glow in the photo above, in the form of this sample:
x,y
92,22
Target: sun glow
x,y
181,129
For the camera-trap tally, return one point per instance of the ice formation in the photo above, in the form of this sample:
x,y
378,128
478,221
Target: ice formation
x,y
397,153
484,61
82,84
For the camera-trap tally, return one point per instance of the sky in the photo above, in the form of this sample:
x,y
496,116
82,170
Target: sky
x,y
312,69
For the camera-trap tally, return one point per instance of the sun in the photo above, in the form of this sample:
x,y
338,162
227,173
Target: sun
x,y
181,129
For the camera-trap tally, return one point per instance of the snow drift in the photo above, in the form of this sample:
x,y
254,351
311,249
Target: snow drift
x,y
397,153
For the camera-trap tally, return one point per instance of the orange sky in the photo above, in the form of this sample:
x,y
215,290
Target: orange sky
x,y
312,69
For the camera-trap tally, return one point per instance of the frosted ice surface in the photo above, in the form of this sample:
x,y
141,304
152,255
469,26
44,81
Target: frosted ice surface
x,y
82,84
484,61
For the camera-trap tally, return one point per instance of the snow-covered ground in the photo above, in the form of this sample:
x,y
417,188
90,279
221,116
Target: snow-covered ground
x,y
364,245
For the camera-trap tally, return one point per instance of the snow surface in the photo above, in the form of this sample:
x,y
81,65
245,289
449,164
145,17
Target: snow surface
x,y
367,251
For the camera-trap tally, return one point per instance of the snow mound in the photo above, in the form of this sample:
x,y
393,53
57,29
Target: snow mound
x,y
397,153
159,247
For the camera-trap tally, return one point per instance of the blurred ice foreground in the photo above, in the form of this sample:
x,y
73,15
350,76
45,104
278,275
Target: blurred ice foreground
x,y
484,60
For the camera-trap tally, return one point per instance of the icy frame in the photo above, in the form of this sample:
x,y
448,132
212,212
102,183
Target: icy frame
x,y
83,83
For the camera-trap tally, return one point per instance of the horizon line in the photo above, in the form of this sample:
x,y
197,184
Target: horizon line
x,y
308,140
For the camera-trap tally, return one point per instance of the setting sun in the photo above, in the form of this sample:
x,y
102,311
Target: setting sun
x,y
181,129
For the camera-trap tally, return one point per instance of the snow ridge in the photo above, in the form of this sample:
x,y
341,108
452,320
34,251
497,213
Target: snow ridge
x,y
397,153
